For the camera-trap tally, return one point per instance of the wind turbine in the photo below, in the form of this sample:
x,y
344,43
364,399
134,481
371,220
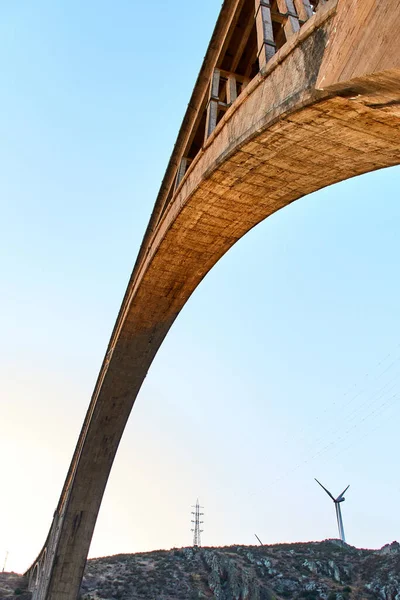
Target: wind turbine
x,y
337,502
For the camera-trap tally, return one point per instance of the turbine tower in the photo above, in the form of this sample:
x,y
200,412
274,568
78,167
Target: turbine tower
x,y
337,502
197,531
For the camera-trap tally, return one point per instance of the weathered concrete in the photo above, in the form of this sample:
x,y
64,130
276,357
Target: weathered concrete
x,y
289,133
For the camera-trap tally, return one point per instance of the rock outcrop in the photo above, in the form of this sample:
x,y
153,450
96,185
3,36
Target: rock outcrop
x,y
329,570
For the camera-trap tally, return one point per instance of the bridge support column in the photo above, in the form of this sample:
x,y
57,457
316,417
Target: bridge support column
x,y
183,165
287,8
304,9
213,102
40,572
266,46
231,91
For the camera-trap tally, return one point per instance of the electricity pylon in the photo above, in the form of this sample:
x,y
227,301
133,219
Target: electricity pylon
x,y
197,531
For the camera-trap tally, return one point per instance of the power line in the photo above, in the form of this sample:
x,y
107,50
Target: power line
x,y
372,376
356,414
336,429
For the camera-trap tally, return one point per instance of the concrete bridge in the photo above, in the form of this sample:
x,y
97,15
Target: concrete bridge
x,y
293,95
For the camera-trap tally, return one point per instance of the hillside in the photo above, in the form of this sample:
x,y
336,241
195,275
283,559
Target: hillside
x,y
327,570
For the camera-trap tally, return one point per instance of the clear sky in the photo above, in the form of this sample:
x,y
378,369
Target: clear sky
x,y
283,366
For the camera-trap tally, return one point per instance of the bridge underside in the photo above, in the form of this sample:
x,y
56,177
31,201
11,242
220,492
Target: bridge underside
x,y
312,116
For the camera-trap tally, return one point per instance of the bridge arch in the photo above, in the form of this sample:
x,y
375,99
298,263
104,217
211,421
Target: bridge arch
x,y
295,128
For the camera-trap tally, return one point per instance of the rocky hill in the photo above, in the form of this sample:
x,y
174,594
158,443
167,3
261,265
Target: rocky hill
x,y
327,570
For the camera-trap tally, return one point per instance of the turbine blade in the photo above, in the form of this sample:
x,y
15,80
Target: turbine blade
x,y
324,488
342,494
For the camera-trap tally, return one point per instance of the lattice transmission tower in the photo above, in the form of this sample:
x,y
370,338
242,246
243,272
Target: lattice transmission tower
x,y
197,531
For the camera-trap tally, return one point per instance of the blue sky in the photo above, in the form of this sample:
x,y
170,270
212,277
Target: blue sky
x,y
283,366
